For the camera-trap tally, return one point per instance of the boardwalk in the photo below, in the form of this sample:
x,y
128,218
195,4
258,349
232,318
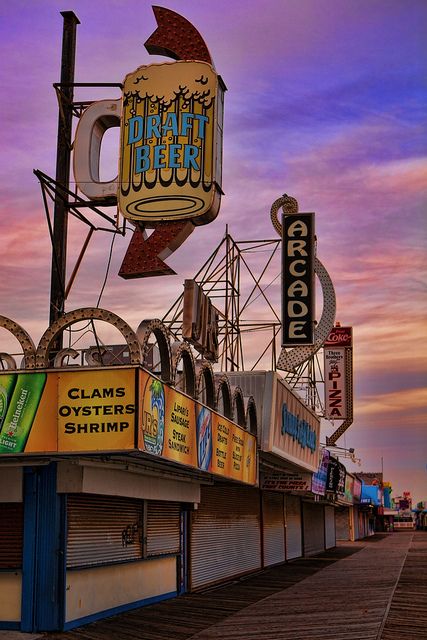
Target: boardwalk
x,y
371,589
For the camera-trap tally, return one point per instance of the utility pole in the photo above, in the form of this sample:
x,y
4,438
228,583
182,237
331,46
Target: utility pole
x,y
65,94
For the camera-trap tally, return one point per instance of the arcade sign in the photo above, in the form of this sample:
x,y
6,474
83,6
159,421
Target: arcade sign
x,y
298,300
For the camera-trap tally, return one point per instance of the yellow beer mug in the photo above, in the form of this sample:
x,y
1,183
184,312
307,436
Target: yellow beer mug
x,y
170,141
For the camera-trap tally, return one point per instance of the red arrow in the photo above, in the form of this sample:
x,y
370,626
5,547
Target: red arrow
x,y
177,38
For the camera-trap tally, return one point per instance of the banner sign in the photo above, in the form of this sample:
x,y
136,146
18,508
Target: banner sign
x,y
318,481
335,480
297,483
175,427
335,383
298,296
348,488
119,409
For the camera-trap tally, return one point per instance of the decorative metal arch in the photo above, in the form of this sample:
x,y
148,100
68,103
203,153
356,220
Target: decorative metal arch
x,y
205,374
181,351
223,389
251,415
28,346
156,327
89,313
238,404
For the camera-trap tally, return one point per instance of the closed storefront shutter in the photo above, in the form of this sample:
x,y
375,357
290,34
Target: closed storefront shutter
x,y
330,527
362,524
11,535
313,518
162,528
103,530
225,535
293,527
273,522
342,523
355,516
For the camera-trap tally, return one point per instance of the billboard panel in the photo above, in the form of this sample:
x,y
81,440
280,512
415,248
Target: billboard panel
x,y
96,410
176,428
119,409
67,411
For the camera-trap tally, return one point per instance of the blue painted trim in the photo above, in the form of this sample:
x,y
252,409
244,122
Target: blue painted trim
x,y
10,626
49,584
28,555
116,610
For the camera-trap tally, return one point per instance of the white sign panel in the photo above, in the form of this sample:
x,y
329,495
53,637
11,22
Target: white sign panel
x,y
286,482
335,384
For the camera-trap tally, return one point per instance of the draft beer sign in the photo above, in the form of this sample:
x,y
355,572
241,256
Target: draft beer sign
x,y
169,142
170,156
298,313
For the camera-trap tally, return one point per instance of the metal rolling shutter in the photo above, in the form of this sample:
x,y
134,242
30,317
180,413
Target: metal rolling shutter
x,y
225,535
330,528
355,517
11,534
362,524
313,519
162,527
273,522
342,523
293,528
103,530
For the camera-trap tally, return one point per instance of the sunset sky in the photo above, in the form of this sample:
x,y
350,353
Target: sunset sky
x,y
326,101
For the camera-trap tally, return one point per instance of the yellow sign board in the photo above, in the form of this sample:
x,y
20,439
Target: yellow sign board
x,y
176,428
119,409
67,411
96,410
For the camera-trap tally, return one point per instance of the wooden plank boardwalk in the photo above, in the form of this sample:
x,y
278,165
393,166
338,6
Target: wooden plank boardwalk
x,y
345,594
407,615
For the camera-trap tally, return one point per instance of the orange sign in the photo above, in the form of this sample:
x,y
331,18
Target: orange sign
x,y
175,427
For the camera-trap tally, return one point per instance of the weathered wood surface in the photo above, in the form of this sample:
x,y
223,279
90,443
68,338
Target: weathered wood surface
x,y
344,594
407,616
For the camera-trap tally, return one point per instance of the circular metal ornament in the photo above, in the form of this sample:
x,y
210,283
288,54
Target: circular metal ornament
x,y
89,313
28,346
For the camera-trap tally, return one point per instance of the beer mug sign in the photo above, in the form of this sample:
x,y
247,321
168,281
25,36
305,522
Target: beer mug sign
x,y
170,161
171,135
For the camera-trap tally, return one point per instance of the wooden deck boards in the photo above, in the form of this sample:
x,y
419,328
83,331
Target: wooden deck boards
x,y
345,594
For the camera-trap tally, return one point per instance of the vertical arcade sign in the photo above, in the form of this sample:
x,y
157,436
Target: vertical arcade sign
x,y
298,300
337,373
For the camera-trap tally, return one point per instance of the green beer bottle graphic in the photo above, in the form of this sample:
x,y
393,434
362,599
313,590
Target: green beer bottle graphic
x,y
21,412
7,385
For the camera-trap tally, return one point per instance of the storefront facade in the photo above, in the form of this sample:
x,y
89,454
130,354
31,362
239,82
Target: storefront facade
x,y
99,519
288,437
